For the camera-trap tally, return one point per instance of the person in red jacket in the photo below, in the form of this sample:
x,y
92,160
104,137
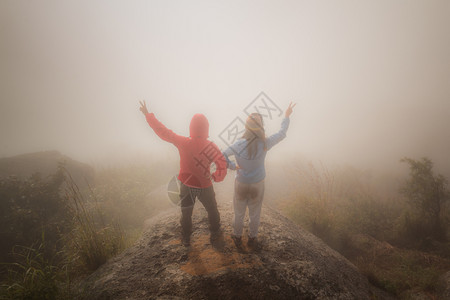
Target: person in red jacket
x,y
196,155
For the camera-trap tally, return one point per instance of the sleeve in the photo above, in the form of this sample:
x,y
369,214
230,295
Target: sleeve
x,y
228,152
162,131
221,166
279,136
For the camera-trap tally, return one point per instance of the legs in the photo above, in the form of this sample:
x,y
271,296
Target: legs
x,y
187,200
250,195
187,205
208,198
254,208
239,206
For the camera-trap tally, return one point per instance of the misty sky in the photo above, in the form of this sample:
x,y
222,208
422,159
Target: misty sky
x,y
371,78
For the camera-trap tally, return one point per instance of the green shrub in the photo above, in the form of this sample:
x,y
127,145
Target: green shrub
x,y
83,228
92,241
28,208
32,276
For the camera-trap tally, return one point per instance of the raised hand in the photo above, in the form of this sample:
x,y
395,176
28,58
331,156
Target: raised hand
x,y
289,109
143,107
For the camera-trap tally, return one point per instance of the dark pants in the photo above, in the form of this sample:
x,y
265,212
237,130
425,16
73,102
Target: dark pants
x,y
207,197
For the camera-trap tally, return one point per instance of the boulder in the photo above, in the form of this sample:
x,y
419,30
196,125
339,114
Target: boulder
x,y
292,264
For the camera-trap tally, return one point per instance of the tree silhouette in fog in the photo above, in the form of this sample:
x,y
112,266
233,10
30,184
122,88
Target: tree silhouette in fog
x,y
428,194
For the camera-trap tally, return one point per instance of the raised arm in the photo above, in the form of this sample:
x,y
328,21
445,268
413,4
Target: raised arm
x,y
281,134
162,131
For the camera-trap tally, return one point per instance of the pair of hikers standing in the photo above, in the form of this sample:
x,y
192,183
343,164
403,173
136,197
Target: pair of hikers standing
x,y
196,155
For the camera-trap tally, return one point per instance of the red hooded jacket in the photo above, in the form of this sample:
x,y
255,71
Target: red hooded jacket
x,y
196,152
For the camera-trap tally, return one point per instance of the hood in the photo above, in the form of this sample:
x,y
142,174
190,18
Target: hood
x,y
199,126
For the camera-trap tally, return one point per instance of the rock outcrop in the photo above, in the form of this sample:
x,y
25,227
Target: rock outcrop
x,y
46,163
292,264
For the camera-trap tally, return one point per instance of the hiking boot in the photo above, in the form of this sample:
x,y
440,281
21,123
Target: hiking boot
x,y
253,243
186,240
237,240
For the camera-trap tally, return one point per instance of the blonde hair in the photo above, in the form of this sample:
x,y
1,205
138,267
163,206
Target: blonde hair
x,y
254,131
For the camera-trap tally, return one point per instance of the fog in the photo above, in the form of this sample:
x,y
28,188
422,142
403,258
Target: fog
x,y
371,79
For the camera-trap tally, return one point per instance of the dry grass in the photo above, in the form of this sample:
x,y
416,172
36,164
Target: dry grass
x,y
92,241
342,206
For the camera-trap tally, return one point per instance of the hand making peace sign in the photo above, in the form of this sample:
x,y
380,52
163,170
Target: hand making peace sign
x,y
289,110
143,107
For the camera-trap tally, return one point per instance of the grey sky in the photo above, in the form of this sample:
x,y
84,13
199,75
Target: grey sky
x,y
371,78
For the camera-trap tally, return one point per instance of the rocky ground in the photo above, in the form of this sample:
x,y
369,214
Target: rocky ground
x,y
292,264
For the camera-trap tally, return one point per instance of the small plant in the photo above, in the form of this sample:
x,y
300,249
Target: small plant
x,y
32,276
27,208
92,241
